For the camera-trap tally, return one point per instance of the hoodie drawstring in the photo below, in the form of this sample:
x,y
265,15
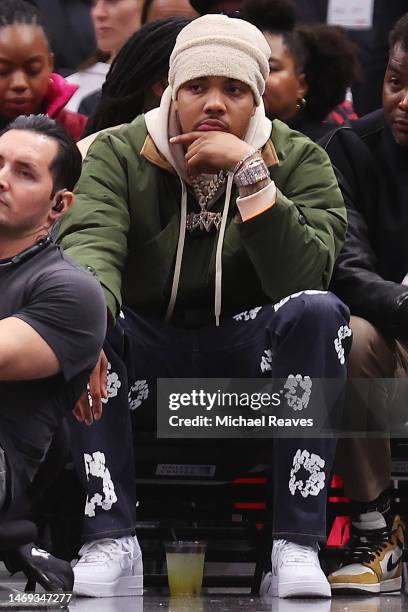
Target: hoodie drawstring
x,y
218,257
180,248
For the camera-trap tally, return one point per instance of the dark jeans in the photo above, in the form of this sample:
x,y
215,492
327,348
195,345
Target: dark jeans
x,y
296,336
26,437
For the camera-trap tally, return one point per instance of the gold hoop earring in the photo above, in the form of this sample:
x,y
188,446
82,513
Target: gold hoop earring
x,y
301,103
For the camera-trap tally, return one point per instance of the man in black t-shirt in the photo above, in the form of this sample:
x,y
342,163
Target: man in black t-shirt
x,y
52,312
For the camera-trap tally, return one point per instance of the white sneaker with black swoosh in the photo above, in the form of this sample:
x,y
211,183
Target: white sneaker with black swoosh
x,y
374,562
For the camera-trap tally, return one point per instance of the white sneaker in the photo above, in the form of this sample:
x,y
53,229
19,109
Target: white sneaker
x,y
109,568
296,572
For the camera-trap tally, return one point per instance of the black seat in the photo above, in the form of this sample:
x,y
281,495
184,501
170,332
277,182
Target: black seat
x,y
19,553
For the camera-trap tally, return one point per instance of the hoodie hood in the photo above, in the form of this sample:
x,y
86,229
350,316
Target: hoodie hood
x,y
162,124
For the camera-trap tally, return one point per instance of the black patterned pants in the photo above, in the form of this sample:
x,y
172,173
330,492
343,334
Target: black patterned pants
x,y
305,334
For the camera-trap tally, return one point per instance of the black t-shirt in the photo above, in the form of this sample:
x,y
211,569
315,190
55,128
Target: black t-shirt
x,y
65,304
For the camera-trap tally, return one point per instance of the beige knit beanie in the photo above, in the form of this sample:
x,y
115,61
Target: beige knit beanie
x,y
217,45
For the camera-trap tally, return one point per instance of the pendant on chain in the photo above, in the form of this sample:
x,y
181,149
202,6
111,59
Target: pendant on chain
x,y
205,220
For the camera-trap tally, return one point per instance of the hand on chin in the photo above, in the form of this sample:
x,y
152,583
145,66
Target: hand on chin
x,y
209,151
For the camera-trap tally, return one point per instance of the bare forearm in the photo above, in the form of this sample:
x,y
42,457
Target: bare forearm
x,y
24,354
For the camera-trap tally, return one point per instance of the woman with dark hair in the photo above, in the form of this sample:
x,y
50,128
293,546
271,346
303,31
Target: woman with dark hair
x,y
138,76
28,84
311,67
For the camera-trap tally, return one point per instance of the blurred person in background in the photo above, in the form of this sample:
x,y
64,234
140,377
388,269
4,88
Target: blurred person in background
x,y
138,76
27,82
114,23
311,68
150,11
70,31
162,9
371,276
372,44
373,49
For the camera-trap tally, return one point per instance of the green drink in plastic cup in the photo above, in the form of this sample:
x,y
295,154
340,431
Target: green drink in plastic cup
x,y
185,567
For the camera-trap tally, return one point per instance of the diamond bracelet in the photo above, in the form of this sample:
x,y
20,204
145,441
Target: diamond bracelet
x,y
252,173
243,160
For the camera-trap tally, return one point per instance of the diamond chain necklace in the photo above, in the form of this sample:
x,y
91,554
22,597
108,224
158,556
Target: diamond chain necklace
x,y
205,190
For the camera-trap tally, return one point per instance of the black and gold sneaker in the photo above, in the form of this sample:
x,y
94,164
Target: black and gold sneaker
x,y
374,561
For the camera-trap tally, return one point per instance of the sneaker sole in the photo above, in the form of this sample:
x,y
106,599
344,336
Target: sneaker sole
x,y
297,589
129,586
387,586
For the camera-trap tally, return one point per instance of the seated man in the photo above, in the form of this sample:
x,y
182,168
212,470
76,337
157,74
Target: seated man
x,y
52,313
370,277
194,212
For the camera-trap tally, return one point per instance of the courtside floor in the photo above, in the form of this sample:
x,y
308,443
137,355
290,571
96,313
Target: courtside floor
x,y
232,600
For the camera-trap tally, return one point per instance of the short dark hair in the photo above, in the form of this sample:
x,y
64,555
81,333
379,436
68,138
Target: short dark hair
x,y
67,164
19,12
399,33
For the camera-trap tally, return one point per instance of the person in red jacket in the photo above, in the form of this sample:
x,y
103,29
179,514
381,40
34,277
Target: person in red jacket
x,y
27,82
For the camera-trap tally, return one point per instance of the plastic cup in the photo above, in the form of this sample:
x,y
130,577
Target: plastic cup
x,y
185,567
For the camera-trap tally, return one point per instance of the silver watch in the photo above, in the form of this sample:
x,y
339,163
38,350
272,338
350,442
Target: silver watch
x,y
251,173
